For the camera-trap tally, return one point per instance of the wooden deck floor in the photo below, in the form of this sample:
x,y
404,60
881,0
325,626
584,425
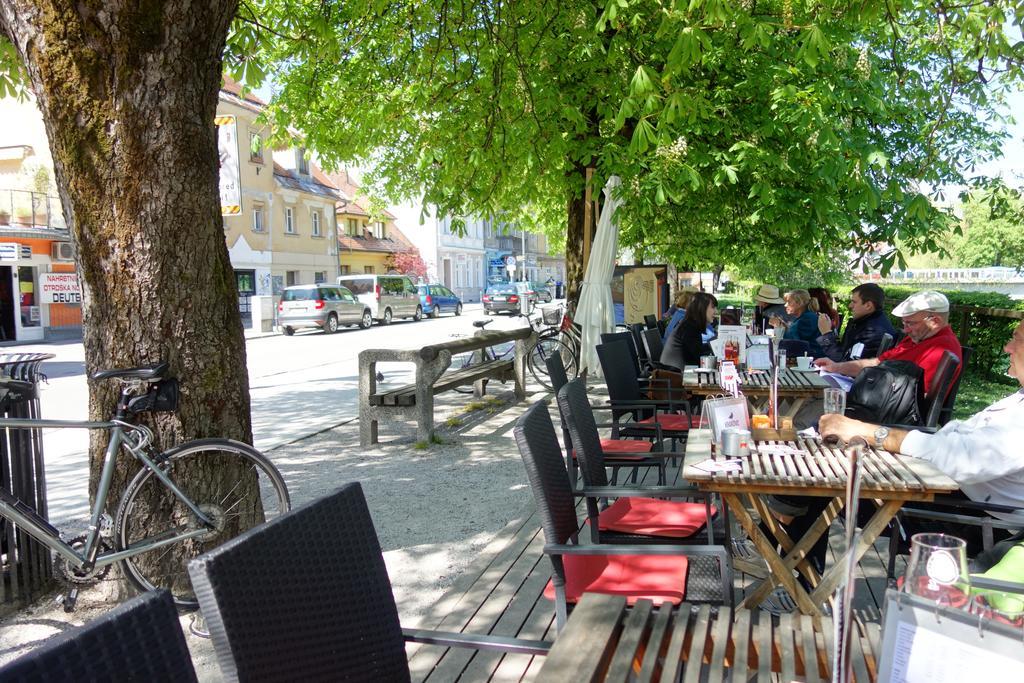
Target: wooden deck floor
x,y
501,594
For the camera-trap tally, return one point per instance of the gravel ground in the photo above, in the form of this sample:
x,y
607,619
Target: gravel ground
x,y
434,509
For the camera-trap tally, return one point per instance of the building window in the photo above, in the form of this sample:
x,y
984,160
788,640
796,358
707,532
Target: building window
x,y
353,227
368,269
255,148
257,218
378,230
319,276
345,270
289,220
315,218
302,162
291,278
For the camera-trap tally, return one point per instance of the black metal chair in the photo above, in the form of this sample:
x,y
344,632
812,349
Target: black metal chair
x,y
628,338
651,321
635,515
885,344
794,347
654,347
632,452
139,640
946,413
306,597
637,330
663,573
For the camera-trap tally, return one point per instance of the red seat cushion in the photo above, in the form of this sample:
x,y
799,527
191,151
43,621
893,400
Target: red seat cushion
x,y
659,578
613,447
653,517
670,421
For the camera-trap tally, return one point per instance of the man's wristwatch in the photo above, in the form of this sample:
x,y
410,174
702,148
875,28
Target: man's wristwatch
x,y
880,435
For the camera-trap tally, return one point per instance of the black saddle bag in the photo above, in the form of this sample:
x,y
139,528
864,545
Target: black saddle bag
x,y
890,393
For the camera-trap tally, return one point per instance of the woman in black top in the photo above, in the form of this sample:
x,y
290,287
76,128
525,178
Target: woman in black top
x,y
686,344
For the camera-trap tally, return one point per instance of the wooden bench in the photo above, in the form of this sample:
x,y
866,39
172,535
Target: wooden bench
x,y
416,401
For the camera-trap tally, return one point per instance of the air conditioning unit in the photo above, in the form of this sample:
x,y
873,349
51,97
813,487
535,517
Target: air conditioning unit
x,y
62,251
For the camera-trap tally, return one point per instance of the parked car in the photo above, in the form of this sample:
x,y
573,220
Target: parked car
x,y
323,306
503,297
542,292
387,296
438,299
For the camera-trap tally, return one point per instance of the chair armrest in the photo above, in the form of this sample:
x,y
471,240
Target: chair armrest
x,y
617,549
949,501
477,642
985,583
641,492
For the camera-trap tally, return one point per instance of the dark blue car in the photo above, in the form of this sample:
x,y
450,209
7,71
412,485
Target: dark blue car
x,y
438,299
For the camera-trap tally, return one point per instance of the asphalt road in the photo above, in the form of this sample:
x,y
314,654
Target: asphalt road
x,y
299,386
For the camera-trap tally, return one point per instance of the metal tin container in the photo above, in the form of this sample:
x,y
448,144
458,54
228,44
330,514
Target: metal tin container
x,y
745,439
708,362
731,442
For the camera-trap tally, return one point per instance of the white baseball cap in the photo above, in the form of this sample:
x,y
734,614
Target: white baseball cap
x,y
928,300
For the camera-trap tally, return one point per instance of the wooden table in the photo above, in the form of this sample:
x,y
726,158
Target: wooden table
x,y
795,386
603,641
823,471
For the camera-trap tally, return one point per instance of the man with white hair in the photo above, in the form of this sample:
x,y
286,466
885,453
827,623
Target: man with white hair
x,y
927,334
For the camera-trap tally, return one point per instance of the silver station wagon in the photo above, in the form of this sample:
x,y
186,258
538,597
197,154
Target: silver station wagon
x,y
323,306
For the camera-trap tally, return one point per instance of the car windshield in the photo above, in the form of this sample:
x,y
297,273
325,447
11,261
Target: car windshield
x,y
304,294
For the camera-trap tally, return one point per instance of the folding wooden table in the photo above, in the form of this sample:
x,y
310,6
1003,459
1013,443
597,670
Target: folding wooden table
x,y
796,387
815,470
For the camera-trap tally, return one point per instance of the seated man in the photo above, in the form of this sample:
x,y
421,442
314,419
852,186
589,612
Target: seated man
x,y
768,303
864,331
982,454
926,323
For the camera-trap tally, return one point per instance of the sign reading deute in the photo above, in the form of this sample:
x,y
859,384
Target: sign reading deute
x,y
59,288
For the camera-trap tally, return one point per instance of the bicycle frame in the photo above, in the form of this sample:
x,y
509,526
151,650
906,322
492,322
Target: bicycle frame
x,y
89,557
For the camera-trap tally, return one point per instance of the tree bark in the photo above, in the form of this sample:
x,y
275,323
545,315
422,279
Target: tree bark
x,y
576,226
128,92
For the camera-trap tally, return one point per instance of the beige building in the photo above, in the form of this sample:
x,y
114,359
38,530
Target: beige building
x,y
366,243
279,216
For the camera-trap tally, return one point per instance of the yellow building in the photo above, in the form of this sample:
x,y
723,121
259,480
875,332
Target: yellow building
x,y
279,224
365,242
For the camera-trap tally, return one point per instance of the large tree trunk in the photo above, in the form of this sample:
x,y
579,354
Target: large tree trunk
x,y
128,91
576,228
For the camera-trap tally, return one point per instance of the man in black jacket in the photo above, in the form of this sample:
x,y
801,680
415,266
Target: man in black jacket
x,y
863,332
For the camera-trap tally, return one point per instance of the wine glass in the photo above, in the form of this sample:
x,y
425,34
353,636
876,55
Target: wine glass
x,y
937,569
1006,608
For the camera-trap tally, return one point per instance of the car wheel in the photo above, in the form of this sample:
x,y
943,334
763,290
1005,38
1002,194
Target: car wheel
x,y
287,331
418,315
387,316
436,313
332,324
458,309
367,320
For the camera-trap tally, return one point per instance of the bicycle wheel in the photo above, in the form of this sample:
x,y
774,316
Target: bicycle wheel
x,y
545,348
215,474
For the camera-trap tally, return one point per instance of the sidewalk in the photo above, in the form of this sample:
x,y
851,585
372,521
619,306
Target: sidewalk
x,y
435,509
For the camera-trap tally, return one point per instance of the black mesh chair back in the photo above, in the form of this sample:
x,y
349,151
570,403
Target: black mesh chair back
x,y
794,347
305,597
139,640
578,416
556,371
637,330
885,344
731,315
946,414
651,321
538,446
942,382
653,345
626,337
619,377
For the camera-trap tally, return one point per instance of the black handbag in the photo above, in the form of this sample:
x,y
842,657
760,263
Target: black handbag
x,y
891,392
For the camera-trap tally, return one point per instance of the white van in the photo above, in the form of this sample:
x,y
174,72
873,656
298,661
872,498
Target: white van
x,y
388,296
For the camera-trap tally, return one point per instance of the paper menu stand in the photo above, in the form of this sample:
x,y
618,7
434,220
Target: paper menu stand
x,y
724,411
729,378
759,357
734,336
923,642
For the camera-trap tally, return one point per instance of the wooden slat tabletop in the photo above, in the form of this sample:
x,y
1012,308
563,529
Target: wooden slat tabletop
x,y
603,641
757,383
816,469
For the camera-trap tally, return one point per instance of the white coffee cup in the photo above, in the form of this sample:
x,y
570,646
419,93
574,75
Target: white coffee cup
x,y
804,362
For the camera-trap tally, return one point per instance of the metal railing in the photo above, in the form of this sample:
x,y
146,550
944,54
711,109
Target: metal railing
x,y
27,209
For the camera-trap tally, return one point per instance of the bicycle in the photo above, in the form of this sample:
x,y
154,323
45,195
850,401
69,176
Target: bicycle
x,y
545,345
162,507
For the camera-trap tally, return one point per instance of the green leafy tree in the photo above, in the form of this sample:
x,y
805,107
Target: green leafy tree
x,y
993,235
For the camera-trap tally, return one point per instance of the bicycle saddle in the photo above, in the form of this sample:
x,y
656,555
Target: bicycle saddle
x,y
152,372
482,323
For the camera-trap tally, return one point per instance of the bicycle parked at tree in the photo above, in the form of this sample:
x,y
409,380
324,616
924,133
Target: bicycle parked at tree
x,y
549,341
167,515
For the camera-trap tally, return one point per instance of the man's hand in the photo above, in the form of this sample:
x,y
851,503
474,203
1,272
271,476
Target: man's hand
x,y
845,428
777,322
824,323
826,364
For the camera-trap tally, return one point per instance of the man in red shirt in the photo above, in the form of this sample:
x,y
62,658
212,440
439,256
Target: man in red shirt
x,y
927,334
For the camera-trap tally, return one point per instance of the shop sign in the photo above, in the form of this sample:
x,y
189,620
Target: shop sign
x,y
59,288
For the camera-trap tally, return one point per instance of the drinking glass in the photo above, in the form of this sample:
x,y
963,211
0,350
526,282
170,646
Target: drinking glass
x,y
937,569
780,361
835,401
